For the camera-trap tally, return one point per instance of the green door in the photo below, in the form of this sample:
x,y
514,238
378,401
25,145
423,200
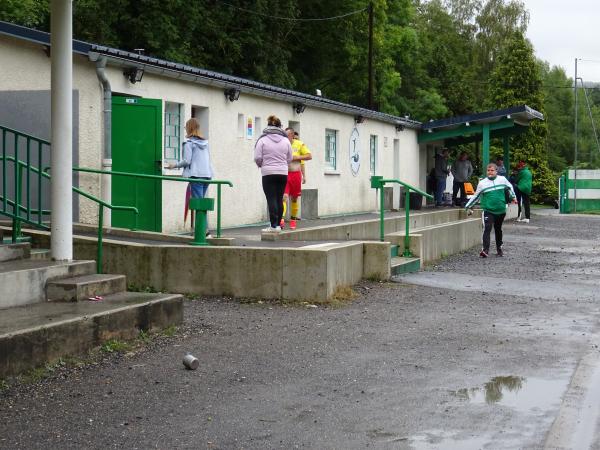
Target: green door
x,y
136,148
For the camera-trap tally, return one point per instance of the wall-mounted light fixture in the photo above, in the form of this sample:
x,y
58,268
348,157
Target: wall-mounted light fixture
x,y
399,127
299,107
359,119
134,74
232,94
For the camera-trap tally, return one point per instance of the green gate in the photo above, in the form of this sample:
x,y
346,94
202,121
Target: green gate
x,y
136,148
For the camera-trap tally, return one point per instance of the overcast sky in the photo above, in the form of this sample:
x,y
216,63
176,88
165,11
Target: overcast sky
x,y
564,30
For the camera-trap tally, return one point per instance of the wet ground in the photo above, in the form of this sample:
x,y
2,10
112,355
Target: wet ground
x,y
499,353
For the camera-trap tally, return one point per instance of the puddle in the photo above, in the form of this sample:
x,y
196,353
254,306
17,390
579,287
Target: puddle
x,y
519,393
447,440
533,397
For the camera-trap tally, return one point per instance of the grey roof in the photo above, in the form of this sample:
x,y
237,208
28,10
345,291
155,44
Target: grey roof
x,y
522,115
194,74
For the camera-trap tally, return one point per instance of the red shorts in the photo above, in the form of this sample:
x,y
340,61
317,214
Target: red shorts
x,y
293,188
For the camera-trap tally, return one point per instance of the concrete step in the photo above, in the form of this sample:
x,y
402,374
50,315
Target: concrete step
x,y
40,254
11,252
33,335
23,282
82,288
401,264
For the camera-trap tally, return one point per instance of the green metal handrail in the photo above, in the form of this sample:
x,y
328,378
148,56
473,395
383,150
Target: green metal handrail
x,y
219,183
378,182
17,219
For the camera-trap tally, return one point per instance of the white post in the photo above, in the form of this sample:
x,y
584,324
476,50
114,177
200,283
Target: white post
x,y
61,40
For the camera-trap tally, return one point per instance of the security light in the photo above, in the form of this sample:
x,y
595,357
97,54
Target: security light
x,y
232,94
134,74
299,108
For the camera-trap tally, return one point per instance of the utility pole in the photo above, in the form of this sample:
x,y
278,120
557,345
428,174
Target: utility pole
x,y
370,94
575,156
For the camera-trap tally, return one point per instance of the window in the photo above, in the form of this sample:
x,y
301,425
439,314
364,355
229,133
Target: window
x,y
172,132
241,126
257,127
373,154
331,149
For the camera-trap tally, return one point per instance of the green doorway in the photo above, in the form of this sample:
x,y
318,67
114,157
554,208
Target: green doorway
x,y
136,148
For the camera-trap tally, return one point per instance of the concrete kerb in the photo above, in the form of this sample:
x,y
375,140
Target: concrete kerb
x,y
434,242
30,347
367,229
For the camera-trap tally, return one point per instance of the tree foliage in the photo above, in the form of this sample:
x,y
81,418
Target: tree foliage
x,y
516,80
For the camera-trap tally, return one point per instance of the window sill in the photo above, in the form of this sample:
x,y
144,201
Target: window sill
x,y
332,172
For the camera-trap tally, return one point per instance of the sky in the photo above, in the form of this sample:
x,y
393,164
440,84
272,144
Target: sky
x,y
561,31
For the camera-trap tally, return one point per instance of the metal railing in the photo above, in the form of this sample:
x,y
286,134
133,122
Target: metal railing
x,y
219,183
17,207
378,182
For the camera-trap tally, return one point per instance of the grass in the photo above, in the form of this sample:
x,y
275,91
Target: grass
x,y
115,346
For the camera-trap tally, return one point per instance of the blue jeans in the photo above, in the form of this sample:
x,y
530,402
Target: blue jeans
x,y
199,189
440,185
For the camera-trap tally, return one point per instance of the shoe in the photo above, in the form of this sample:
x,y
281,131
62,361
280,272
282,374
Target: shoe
x,y
282,223
499,252
276,230
208,235
525,220
271,229
483,254
519,219
292,224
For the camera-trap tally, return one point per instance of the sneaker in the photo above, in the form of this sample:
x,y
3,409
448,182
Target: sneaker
x,y
525,220
519,219
292,224
270,229
208,235
499,252
276,230
483,254
282,223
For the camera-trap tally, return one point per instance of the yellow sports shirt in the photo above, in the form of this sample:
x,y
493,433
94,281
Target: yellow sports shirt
x,y
298,149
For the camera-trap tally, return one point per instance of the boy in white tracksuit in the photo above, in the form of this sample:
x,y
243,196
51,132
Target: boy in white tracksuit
x,y
490,191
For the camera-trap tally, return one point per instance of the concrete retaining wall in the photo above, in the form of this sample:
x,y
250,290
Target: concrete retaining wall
x,y
369,229
286,273
434,242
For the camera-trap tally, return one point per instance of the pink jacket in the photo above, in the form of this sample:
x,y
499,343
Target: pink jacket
x,y
272,153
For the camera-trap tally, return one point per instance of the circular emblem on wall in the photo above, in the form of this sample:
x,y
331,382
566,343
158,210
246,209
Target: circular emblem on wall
x,y
354,152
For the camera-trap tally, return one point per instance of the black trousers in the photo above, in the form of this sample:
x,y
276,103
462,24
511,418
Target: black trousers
x,y
456,186
492,220
273,187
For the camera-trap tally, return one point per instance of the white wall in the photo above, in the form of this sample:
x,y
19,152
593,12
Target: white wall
x,y
28,68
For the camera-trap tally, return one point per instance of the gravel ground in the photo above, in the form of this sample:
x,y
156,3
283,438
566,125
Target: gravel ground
x,y
400,366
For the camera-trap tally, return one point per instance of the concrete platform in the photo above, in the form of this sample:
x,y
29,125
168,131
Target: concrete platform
x,y
332,253
36,334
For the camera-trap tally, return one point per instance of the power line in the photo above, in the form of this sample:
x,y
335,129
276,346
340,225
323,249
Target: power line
x,y
293,19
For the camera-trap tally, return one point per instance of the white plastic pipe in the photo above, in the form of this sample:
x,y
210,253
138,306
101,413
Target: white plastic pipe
x,y
61,41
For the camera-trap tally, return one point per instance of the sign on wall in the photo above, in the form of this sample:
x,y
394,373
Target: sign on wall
x,y
354,152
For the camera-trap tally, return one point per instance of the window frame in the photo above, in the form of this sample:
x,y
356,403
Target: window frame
x,y
373,144
331,159
172,119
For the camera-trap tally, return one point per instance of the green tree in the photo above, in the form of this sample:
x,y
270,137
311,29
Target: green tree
x,y
29,13
559,107
516,80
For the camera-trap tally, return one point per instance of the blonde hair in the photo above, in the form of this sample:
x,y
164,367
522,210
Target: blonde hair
x,y
273,121
192,128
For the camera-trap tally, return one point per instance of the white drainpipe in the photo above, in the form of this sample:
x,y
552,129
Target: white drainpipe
x,y
106,185
61,41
